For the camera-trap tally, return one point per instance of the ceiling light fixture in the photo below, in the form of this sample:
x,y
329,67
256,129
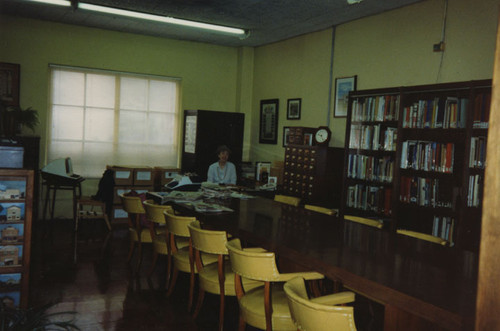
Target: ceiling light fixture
x,y
162,19
54,2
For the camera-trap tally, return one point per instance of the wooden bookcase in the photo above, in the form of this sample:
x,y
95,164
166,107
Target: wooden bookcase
x,y
16,201
415,158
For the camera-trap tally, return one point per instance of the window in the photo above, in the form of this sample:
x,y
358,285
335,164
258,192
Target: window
x,y
104,117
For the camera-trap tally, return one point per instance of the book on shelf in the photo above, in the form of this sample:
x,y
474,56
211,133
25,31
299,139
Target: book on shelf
x,y
375,109
443,227
373,168
475,191
423,192
371,198
449,113
427,156
477,155
481,111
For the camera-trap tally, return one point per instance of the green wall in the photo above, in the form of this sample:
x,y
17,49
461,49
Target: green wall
x,y
385,50
209,73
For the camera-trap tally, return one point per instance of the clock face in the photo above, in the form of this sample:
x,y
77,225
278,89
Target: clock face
x,y
321,135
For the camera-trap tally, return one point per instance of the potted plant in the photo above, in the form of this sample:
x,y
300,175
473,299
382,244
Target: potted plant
x,y
13,118
17,319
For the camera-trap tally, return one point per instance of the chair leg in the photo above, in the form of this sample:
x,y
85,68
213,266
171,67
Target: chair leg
x,y
131,250
191,290
139,259
106,219
242,324
169,272
201,296
172,282
221,312
153,265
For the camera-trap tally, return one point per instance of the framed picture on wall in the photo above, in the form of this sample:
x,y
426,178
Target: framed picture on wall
x,y
293,109
9,83
286,136
268,133
343,86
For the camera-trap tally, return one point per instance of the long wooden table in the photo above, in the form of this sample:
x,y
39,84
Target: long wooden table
x,y
420,284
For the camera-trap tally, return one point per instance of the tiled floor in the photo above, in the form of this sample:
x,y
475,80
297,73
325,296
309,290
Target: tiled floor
x,y
95,281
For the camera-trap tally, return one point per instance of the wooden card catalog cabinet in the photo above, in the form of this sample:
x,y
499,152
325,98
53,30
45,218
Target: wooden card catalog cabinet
x,y
313,173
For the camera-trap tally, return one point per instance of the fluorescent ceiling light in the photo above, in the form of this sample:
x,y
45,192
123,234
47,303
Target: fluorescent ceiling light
x,y
54,2
163,19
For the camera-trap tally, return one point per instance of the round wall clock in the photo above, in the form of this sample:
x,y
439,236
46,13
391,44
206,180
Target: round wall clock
x,y
322,135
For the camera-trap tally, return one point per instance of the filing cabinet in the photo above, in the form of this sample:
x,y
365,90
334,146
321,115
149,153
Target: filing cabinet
x,y
314,173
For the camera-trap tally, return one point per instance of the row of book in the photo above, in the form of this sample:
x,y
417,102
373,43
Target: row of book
x,y
427,156
477,158
424,192
370,198
481,114
373,168
370,137
449,113
442,227
375,109
475,192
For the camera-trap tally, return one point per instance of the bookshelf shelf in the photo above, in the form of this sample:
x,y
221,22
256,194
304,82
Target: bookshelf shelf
x,y
436,144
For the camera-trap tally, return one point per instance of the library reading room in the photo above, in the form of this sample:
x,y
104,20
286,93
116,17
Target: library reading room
x,y
249,165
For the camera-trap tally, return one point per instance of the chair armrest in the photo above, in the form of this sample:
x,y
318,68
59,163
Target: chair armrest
x,y
307,275
335,299
255,250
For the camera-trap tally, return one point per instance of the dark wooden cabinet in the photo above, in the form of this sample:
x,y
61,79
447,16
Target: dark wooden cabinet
x,y
415,158
313,173
204,131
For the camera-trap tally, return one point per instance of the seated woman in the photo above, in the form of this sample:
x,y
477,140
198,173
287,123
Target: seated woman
x,y
223,171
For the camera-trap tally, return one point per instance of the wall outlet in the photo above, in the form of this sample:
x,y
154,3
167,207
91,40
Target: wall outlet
x,y
439,47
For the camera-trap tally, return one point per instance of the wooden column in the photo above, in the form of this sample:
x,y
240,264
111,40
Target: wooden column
x,y
488,293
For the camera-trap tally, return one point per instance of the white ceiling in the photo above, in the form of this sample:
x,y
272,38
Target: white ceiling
x,y
267,21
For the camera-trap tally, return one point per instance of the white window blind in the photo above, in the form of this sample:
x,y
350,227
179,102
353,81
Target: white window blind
x,y
101,118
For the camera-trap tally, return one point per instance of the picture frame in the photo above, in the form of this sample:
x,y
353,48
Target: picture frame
x,y
268,131
286,136
343,86
308,139
262,171
293,109
9,83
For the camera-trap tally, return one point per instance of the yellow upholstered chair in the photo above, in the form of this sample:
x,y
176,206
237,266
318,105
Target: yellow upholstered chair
x,y
366,221
323,210
138,230
216,278
423,236
289,200
263,307
155,215
319,314
181,258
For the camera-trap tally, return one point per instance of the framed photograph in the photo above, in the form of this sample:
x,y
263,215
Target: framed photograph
x,y
293,109
308,139
286,136
343,86
262,170
9,83
268,133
